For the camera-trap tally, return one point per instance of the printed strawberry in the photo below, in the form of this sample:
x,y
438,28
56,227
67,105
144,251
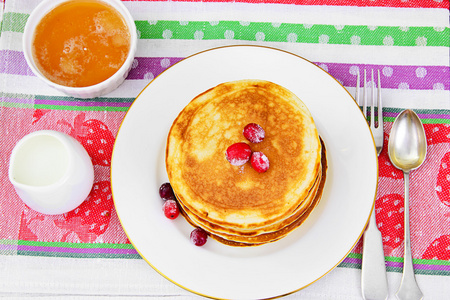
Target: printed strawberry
x,y
443,180
94,214
389,214
95,137
385,167
38,114
437,133
25,233
438,249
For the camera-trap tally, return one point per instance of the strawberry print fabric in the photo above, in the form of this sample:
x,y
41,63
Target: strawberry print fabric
x,y
407,40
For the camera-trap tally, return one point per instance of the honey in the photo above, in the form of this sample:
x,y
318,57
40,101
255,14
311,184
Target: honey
x,y
81,43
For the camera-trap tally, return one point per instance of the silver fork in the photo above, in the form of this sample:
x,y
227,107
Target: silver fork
x,y
373,269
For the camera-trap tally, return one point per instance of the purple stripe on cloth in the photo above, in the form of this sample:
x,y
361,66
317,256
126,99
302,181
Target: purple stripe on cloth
x,y
8,247
76,250
21,100
394,264
150,67
80,103
432,267
13,62
350,260
422,116
393,77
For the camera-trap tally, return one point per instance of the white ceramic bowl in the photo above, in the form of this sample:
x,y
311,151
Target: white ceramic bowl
x,y
51,171
92,91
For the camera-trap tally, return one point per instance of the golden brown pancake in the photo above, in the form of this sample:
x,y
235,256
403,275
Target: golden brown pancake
x,y
223,231
237,203
264,238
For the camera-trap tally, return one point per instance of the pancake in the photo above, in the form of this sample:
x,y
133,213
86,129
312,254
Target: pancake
x,y
275,236
221,231
236,203
264,238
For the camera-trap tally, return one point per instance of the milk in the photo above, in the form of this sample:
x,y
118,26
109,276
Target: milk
x,y
43,160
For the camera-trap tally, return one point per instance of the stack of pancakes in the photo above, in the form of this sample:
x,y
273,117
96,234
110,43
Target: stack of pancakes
x,y
237,205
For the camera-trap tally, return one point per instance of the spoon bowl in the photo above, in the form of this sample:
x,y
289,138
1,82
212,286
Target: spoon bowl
x,y
407,147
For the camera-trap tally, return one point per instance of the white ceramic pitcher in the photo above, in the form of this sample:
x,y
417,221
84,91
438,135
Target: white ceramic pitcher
x,y
51,171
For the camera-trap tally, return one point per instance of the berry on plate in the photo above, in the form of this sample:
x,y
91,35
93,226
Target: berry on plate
x,y
199,236
254,133
166,191
259,162
238,154
170,209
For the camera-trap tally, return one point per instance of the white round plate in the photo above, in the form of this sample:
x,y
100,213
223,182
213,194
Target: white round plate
x,y
216,270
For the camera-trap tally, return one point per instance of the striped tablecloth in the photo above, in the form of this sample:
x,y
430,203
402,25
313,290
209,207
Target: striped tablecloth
x,y
86,252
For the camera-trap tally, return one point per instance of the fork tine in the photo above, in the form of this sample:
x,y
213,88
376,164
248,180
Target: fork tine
x,y
380,104
372,107
365,96
357,94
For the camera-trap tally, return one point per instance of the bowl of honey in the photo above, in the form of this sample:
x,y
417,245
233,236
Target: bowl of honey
x,y
83,48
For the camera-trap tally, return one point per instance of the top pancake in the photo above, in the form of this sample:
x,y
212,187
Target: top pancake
x,y
239,197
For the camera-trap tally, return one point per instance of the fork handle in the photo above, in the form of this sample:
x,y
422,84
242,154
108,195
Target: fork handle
x,y
373,269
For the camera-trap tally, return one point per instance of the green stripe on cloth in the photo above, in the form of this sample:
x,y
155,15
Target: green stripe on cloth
x,y
78,255
14,22
72,99
435,262
13,100
395,264
424,121
80,108
300,33
73,250
354,255
72,245
276,32
427,116
8,242
16,105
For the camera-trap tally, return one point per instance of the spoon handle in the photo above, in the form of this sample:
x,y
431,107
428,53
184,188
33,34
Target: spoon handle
x,y
408,290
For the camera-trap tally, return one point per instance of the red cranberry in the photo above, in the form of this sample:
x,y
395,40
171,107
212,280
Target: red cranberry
x,y
259,162
238,154
166,192
199,237
170,209
254,133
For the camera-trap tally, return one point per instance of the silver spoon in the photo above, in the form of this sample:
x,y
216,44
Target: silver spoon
x,y
407,150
